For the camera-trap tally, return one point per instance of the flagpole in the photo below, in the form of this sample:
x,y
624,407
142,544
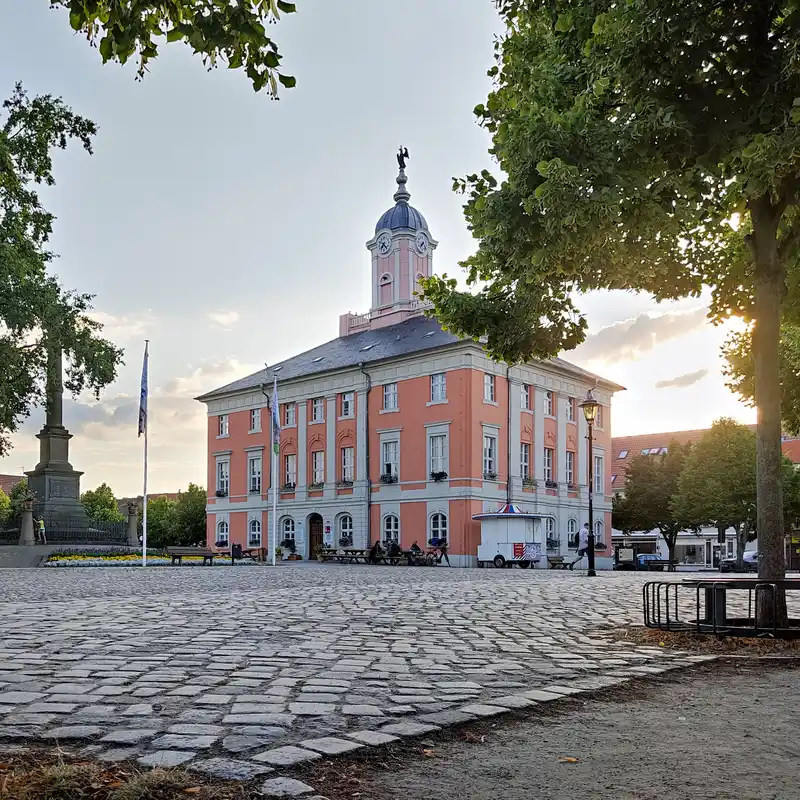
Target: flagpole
x,y
274,467
143,429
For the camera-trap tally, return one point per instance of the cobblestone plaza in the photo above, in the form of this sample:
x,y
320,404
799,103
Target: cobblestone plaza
x,y
239,671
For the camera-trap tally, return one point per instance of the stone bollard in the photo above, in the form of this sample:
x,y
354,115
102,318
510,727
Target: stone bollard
x,y
133,525
26,537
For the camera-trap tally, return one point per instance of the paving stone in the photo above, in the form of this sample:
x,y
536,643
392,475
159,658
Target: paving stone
x,y
449,717
200,716
258,708
230,769
138,710
118,754
286,756
214,699
51,708
540,696
74,732
285,787
196,730
311,709
362,711
330,745
372,738
130,735
243,744
409,728
174,741
14,698
258,719
23,718
166,758
310,697
511,701
70,688
482,710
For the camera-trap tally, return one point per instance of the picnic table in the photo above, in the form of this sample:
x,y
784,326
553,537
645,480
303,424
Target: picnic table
x,y
352,555
258,554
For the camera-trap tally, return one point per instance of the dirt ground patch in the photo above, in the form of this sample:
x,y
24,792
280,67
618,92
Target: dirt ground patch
x,y
700,643
719,732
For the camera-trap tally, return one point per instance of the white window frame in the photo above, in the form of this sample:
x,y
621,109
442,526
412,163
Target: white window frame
x,y
223,536
571,404
599,475
437,447
290,415
348,463
224,476
598,532
255,420
490,453
437,525
253,528
525,460
549,530
573,533
598,420
318,466
348,405
287,528
525,397
570,467
223,426
439,387
290,475
346,527
391,528
317,410
254,475
548,462
489,386
390,457
549,402
390,400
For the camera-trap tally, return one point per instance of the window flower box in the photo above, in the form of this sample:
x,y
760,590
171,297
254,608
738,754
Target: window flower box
x,y
439,476
551,484
221,493
572,487
316,485
530,482
288,487
490,476
388,477
344,484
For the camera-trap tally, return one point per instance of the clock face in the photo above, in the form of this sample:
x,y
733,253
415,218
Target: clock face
x,y
422,243
384,244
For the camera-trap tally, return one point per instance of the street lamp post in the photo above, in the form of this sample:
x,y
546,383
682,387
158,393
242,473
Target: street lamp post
x,y
590,407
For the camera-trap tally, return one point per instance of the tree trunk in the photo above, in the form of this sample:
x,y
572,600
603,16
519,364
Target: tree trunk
x,y
770,289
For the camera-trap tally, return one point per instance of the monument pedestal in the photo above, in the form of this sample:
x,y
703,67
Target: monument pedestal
x,y
56,486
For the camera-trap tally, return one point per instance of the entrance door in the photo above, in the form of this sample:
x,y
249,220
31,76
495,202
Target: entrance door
x,y
315,537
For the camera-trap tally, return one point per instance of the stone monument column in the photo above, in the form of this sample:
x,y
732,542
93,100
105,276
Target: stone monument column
x,y
54,483
133,525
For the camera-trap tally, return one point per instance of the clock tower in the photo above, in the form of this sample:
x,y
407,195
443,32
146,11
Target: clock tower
x,y
402,254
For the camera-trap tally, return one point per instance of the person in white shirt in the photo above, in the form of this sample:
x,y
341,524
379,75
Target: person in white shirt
x,y
583,544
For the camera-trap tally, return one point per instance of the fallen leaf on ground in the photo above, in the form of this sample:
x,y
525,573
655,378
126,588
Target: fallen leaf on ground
x,y
193,790
427,752
568,760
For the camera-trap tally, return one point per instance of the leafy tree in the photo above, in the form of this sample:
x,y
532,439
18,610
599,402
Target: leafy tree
x,y
18,494
36,313
5,508
649,147
101,505
160,521
651,485
219,30
190,516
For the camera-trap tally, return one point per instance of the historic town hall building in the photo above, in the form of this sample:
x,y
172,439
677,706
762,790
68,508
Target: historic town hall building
x,y
400,430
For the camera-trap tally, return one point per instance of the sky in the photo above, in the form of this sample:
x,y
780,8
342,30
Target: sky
x,y
229,229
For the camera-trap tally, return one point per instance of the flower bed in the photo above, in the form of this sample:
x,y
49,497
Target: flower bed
x,y
120,558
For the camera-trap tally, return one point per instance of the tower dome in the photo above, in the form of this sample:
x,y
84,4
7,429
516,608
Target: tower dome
x,y
402,215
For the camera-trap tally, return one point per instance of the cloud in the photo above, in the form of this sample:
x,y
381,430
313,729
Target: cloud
x,y
682,381
118,328
207,376
630,339
223,319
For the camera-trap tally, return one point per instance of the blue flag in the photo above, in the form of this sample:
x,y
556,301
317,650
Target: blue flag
x,y
143,394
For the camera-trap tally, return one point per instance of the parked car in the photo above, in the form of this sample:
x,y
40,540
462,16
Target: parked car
x,y
643,559
750,562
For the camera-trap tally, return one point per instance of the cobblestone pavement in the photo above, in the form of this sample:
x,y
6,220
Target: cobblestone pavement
x,y
242,671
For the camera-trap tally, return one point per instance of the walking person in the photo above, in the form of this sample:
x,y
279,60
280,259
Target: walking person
x,y
443,551
583,544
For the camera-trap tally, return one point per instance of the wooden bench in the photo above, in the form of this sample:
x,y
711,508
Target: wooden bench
x,y
177,553
556,562
658,564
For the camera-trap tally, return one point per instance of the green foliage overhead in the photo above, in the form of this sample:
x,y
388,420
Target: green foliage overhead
x,y
5,508
233,33
651,485
34,309
180,522
646,146
101,505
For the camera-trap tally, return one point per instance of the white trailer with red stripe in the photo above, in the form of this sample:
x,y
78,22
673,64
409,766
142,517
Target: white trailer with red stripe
x,y
510,536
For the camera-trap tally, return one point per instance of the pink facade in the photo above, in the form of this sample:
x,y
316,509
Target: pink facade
x,y
399,430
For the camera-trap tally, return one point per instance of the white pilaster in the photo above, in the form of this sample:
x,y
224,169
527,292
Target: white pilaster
x,y
330,447
361,437
561,444
582,478
515,434
538,435
302,450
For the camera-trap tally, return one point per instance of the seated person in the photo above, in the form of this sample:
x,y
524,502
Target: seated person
x,y
375,552
413,553
394,550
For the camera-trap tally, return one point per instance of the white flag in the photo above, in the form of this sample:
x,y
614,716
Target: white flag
x,y
276,418
143,394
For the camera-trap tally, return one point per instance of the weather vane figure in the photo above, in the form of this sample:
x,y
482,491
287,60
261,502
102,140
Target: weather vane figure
x,y
402,155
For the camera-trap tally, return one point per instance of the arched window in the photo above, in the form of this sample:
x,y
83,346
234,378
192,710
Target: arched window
x,y
391,528
598,532
550,533
385,290
254,533
222,533
572,534
345,530
439,526
288,528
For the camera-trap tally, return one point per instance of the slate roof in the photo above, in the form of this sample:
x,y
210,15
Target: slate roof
x,y
8,482
402,216
413,335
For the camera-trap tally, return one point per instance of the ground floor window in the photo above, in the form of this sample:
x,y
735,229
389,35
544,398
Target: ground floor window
x,y
438,526
690,554
572,534
254,533
598,533
345,531
287,529
223,532
391,528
